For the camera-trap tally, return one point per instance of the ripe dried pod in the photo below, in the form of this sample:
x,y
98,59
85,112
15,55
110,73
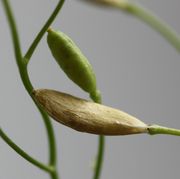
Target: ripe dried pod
x,y
71,60
110,3
86,116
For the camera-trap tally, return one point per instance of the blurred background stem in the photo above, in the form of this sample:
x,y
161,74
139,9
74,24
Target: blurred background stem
x,y
156,23
144,15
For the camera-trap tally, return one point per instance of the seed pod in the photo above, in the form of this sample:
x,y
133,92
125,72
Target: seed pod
x,y
71,60
86,116
123,4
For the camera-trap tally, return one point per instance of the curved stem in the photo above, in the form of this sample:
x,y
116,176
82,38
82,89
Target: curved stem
x,y
43,30
24,154
155,129
15,36
22,66
156,23
96,97
146,16
100,156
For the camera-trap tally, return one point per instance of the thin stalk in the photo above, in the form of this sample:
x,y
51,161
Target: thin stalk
x,y
156,23
24,154
146,16
13,29
101,144
43,30
22,66
156,129
149,18
100,157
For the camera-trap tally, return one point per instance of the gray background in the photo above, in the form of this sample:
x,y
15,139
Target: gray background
x,y
137,71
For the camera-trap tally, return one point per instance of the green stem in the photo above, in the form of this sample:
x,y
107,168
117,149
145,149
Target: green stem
x,y
96,97
22,66
156,23
13,29
166,31
100,157
54,174
43,30
146,16
24,154
155,129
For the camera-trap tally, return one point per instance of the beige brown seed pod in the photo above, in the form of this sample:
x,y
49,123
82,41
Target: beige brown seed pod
x,y
110,3
86,116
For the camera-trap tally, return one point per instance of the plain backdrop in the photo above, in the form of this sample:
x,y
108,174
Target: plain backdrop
x,y
137,71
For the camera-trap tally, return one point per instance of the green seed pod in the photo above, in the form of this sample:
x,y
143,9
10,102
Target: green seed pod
x,y
71,60
86,116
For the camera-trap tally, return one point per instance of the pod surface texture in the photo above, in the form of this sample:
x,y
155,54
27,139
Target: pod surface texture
x,y
87,116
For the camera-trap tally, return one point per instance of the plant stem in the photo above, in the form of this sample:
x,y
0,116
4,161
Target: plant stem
x,y
157,24
156,129
23,153
54,174
101,143
22,66
149,18
43,30
100,157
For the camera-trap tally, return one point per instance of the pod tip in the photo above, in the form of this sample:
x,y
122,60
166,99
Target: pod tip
x,y
49,29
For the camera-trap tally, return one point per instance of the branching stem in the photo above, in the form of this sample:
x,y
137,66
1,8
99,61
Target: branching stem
x,y
43,30
22,66
23,153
